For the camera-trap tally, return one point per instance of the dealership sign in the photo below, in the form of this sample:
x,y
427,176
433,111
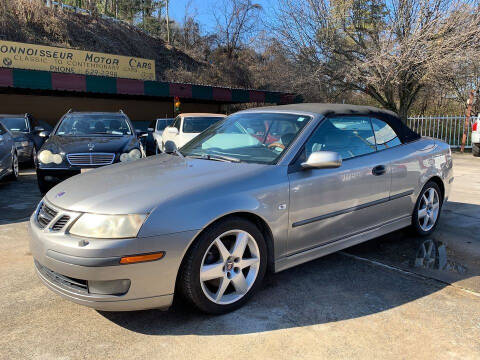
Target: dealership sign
x,y
62,60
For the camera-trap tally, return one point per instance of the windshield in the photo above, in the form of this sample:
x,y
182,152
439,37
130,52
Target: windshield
x,y
248,137
94,124
15,124
198,124
163,123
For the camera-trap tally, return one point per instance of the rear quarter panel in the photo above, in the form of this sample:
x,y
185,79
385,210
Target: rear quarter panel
x,y
412,165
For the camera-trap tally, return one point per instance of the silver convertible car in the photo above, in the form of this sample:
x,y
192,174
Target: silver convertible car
x,y
263,189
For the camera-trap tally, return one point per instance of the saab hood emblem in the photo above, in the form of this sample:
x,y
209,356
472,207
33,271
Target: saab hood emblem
x,y
60,194
91,146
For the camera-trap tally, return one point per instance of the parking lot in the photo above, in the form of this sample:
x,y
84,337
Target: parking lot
x,y
376,300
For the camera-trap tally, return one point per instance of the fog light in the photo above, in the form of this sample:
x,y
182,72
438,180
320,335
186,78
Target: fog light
x,y
110,287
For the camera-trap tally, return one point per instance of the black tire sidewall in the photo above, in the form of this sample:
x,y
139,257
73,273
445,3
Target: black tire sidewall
x,y
476,150
191,288
415,224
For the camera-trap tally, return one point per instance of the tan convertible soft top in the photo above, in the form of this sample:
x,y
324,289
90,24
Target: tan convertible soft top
x,y
201,115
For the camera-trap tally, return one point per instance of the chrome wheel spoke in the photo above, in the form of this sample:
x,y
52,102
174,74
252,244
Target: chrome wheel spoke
x,y
422,213
240,283
241,242
212,271
242,264
221,289
224,253
425,221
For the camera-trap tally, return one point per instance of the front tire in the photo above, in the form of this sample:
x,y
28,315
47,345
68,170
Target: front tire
x,y
224,267
427,209
476,150
14,171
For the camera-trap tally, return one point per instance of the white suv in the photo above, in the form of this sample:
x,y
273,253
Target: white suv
x,y
476,136
187,126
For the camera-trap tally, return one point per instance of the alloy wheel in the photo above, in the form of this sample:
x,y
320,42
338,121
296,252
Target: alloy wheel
x,y
429,209
229,267
15,165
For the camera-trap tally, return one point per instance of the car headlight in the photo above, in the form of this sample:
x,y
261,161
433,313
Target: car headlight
x,y
134,154
107,226
47,157
21,143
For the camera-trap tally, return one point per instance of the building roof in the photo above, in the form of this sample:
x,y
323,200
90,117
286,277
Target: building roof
x,y
45,80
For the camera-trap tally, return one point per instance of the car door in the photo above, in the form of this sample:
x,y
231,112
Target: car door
x,y
404,165
327,205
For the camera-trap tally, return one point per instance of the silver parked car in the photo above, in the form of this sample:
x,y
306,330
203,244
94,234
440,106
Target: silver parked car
x,y
8,155
266,188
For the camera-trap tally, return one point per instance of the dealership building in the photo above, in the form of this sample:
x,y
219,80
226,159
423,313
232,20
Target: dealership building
x,y
48,95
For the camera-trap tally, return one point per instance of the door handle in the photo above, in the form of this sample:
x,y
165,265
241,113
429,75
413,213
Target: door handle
x,y
379,170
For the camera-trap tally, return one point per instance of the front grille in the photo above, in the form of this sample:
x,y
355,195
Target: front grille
x,y
62,280
45,215
90,159
60,223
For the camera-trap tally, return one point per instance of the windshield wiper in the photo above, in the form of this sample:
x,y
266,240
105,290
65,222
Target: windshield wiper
x,y
216,158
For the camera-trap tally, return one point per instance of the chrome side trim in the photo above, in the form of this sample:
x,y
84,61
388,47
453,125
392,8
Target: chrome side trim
x,y
351,209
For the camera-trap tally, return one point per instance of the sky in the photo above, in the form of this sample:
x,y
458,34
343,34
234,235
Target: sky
x,y
203,9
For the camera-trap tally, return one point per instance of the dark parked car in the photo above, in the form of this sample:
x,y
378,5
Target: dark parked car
x,y
86,140
27,133
8,154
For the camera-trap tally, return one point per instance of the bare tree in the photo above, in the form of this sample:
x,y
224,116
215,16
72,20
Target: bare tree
x,y
389,51
236,21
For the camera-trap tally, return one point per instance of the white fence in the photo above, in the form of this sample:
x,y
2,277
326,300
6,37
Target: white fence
x,y
446,128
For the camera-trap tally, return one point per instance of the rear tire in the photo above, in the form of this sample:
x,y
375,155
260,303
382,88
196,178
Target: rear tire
x,y
224,267
476,150
426,213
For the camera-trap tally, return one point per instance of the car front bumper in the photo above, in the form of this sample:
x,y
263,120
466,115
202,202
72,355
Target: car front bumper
x,y
476,137
68,265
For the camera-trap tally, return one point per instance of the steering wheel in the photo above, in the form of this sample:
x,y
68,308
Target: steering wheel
x,y
275,145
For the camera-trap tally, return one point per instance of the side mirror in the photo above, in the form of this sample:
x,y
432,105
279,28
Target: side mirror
x,y
140,133
172,130
44,134
38,129
170,147
323,160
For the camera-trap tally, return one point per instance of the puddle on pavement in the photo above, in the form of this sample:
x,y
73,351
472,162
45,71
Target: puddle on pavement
x,y
445,261
432,254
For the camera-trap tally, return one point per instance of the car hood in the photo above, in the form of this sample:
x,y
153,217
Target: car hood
x,y
19,136
140,186
79,144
